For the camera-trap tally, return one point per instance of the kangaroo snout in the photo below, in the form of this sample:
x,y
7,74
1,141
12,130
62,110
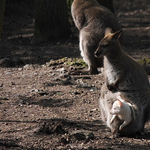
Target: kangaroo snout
x,y
111,112
97,53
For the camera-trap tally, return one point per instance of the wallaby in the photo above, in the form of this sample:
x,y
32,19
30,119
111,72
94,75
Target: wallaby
x,y
125,75
92,19
123,110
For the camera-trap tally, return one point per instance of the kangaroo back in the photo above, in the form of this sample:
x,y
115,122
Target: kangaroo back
x,y
92,19
78,8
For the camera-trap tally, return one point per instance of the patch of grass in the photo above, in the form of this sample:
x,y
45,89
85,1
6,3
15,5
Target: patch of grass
x,y
75,62
144,61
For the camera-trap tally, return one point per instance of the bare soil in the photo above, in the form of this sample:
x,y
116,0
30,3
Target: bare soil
x,y
41,107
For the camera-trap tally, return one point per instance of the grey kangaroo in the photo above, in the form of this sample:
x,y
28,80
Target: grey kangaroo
x,y
92,19
123,74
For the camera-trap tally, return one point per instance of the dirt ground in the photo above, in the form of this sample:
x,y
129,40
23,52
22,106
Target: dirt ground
x,y
41,107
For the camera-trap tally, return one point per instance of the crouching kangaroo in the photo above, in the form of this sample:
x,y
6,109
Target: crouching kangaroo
x,y
124,75
92,19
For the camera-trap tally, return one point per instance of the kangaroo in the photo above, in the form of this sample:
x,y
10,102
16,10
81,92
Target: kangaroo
x,y
92,19
123,74
123,110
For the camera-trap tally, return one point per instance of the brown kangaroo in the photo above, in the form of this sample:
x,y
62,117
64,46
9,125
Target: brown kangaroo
x,y
123,74
92,19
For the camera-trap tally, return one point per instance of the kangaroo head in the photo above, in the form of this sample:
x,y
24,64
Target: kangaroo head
x,y
116,107
108,43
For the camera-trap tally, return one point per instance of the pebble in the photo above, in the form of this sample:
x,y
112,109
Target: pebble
x,y
28,67
19,69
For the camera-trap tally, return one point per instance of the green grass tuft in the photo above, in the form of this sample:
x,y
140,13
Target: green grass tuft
x,y
144,61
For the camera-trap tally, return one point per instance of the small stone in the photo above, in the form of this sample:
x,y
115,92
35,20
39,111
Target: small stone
x,y
28,67
19,69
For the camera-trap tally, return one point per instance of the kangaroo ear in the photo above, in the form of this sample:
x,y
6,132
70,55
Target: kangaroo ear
x,y
119,96
108,31
117,34
120,103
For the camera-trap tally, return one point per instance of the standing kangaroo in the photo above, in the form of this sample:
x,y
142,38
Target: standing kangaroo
x,y
92,19
124,75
